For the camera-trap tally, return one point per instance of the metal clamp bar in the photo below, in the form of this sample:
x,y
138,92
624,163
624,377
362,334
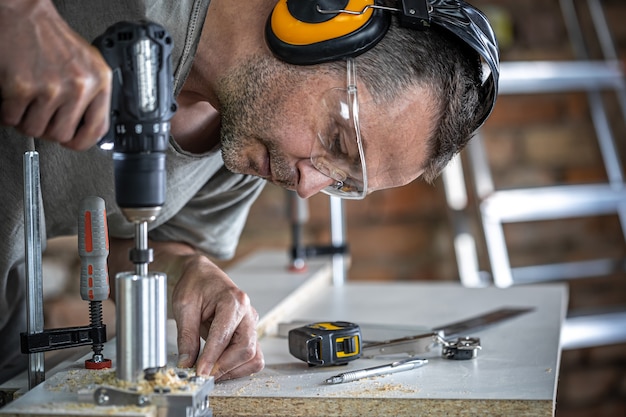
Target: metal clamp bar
x,y
32,238
55,339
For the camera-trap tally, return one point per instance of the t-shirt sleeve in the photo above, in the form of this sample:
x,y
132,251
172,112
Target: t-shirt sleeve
x,y
212,221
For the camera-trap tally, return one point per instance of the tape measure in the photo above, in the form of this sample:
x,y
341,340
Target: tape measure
x,y
326,343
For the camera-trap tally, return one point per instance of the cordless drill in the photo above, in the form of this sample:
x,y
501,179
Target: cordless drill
x,y
142,104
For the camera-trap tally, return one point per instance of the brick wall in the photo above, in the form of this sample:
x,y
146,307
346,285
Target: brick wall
x,y
404,234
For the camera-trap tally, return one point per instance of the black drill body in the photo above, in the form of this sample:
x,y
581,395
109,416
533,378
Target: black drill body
x,y
142,104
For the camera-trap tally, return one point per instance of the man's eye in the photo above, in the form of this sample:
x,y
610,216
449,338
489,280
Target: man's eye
x,y
338,145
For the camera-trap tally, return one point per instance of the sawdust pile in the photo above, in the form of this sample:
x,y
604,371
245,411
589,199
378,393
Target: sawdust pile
x,y
170,380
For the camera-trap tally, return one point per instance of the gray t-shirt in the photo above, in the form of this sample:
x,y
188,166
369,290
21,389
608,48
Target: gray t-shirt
x,y
206,205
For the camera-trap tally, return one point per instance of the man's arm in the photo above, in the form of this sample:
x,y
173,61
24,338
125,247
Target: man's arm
x,y
53,84
205,303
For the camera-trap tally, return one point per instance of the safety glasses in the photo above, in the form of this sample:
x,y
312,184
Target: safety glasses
x,y
338,150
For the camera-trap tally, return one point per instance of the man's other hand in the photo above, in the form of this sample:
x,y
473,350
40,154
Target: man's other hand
x,y
207,304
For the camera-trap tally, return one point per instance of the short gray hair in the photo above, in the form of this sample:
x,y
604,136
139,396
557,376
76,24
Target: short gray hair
x,y
449,69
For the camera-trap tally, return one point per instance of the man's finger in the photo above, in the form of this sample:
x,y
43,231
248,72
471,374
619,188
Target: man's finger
x,y
12,111
241,349
36,117
256,364
228,315
94,125
188,339
219,337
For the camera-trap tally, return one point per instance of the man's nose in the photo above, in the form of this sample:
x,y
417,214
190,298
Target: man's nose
x,y
311,180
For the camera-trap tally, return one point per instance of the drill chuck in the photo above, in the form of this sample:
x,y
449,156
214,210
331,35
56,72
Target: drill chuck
x,y
139,180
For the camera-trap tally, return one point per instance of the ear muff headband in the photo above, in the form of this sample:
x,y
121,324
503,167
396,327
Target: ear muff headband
x,y
294,31
333,36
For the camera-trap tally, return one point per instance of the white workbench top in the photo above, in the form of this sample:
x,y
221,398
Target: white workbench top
x,y
515,373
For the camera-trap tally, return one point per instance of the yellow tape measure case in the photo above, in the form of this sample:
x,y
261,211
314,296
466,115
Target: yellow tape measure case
x,y
326,343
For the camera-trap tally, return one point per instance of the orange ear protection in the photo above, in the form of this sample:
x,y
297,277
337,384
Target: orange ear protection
x,y
306,32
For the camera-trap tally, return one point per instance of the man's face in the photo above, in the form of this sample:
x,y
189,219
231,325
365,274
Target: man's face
x,y
272,113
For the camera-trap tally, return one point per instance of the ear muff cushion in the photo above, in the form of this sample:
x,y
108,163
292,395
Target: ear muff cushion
x,y
343,35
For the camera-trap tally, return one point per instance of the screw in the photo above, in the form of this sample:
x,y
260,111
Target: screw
x,y
103,398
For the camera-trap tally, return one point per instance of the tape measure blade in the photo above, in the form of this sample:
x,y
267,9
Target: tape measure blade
x,y
370,332
473,324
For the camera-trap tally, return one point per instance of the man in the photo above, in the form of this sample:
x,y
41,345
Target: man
x,y
394,107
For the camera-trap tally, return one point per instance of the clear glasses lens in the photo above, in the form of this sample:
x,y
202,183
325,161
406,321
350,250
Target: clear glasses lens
x,y
338,151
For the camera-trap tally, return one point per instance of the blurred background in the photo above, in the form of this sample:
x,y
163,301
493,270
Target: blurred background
x,y
532,140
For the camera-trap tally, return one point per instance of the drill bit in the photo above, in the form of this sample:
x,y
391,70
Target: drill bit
x,y
141,246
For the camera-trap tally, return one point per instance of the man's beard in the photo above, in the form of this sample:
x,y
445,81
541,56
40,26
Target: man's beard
x,y
250,99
